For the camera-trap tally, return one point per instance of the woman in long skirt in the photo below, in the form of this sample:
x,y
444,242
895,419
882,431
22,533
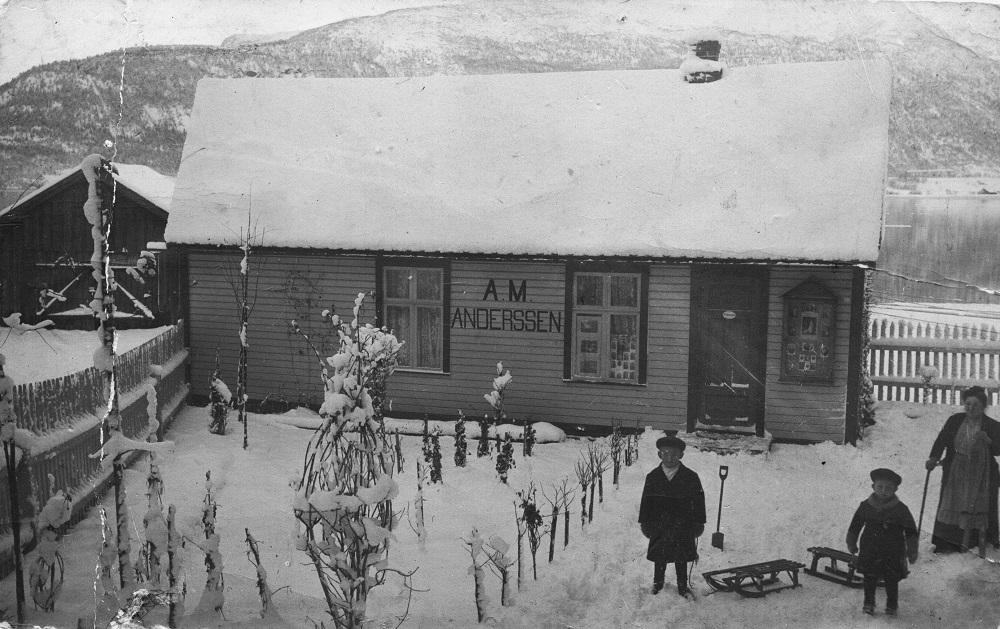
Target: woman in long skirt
x,y
967,509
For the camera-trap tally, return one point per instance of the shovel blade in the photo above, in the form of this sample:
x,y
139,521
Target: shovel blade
x,y
717,539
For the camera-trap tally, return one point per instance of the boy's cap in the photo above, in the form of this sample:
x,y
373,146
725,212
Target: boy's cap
x,y
670,442
883,473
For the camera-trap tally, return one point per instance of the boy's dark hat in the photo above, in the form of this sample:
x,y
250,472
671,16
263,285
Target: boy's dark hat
x,y
670,441
883,473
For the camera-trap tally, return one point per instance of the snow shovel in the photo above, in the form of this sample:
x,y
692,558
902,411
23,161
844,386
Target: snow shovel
x,y
718,537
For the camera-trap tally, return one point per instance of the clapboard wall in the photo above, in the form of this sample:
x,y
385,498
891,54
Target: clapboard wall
x,y
807,411
281,365
535,359
299,286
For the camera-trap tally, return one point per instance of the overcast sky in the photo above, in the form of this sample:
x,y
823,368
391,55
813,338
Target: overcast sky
x,y
33,32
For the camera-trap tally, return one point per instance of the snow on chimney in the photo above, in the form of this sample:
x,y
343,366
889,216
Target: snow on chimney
x,y
702,64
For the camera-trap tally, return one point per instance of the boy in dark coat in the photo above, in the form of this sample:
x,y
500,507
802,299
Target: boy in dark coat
x,y
672,514
888,539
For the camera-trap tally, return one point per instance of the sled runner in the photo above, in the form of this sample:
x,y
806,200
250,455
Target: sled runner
x,y
844,575
755,580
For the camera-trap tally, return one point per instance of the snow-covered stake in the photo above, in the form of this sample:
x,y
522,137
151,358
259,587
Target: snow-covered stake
x,y
617,447
106,561
239,282
418,506
559,500
220,399
461,447
496,549
505,460
213,597
46,575
583,475
154,525
398,444
175,545
598,458
475,544
253,554
343,499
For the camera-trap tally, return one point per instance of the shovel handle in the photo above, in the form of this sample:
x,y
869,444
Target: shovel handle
x,y
723,471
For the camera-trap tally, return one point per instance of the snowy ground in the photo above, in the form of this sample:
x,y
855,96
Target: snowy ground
x,y
50,353
775,506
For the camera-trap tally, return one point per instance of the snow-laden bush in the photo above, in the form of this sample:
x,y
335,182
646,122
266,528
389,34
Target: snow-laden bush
x,y
343,500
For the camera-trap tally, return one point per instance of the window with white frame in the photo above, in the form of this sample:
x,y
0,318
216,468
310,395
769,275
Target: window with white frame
x,y
414,311
606,326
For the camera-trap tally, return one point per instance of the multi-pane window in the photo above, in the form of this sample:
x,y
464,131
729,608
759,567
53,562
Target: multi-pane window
x,y
414,311
606,319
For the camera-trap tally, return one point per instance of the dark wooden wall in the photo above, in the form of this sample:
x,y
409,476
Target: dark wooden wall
x,y
52,226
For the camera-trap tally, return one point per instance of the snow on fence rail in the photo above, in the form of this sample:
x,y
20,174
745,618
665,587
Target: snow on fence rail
x,y
65,408
46,405
963,355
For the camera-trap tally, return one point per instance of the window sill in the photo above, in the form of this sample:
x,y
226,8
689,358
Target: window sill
x,y
431,372
614,383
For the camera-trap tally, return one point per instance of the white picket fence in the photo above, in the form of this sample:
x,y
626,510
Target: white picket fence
x,y
963,355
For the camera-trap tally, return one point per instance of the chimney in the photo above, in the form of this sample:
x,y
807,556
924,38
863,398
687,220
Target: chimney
x,y
702,64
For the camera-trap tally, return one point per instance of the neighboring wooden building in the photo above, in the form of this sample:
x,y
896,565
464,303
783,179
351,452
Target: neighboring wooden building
x,y
47,243
631,246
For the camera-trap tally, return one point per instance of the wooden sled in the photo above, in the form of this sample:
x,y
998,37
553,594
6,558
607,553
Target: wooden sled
x,y
755,580
844,575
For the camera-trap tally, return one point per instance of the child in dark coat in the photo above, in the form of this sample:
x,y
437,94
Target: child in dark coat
x,y
888,539
672,514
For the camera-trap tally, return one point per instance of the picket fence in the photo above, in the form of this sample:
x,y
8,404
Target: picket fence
x,y
49,404
63,403
903,351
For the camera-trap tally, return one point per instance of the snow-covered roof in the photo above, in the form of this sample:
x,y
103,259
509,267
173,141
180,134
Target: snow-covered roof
x,y
771,162
156,188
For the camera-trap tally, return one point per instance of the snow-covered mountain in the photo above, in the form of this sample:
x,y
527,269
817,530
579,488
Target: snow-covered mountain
x,y
946,61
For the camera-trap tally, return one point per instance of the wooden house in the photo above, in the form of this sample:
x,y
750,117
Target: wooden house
x,y
46,245
631,246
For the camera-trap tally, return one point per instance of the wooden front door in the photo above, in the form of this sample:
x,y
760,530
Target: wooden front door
x,y
728,348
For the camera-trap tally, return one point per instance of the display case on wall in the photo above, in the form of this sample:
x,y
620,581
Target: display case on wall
x,y
809,334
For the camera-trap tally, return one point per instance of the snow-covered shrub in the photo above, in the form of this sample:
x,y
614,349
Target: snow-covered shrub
x,y
461,447
495,397
534,524
436,456
46,576
343,499
505,460
529,438
483,449
253,554
220,399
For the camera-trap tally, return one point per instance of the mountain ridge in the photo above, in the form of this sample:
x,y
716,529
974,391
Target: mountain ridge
x,y
945,111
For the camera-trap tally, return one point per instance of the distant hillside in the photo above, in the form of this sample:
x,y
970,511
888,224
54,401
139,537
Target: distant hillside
x,y
945,109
